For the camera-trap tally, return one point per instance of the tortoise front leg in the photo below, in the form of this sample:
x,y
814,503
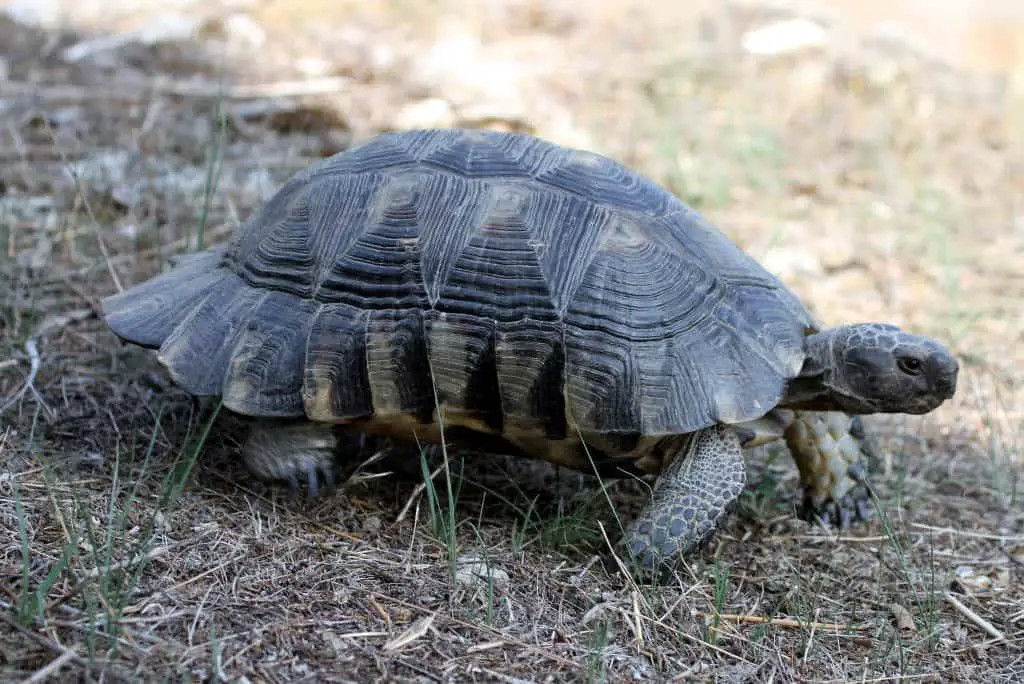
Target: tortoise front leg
x,y
831,449
690,499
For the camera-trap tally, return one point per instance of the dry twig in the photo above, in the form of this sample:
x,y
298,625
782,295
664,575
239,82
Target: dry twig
x,y
28,385
51,668
416,630
784,622
981,622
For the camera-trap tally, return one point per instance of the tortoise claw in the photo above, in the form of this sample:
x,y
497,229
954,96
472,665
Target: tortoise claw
x,y
841,514
321,476
863,505
311,480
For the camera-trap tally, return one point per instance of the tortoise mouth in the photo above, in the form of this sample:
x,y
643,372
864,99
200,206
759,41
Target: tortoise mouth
x,y
855,405
914,406
920,408
929,402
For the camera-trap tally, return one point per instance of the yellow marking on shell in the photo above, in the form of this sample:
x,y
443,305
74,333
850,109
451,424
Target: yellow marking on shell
x,y
404,427
238,389
571,453
449,415
448,357
528,436
318,397
383,374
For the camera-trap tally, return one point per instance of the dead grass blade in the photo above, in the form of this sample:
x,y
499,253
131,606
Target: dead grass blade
x,y
788,623
417,629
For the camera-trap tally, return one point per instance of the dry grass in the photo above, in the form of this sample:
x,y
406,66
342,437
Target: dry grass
x,y
135,547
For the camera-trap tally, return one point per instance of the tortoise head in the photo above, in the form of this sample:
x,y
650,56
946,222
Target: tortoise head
x,y
874,368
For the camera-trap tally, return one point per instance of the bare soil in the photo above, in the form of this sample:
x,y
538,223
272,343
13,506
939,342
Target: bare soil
x,y
135,547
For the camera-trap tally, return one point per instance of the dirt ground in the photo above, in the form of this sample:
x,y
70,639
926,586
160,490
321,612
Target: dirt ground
x,y
135,547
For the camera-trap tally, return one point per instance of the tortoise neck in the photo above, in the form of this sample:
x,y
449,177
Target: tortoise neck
x,y
809,393
812,388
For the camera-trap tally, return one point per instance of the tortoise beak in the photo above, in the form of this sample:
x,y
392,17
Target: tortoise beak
x,y
944,371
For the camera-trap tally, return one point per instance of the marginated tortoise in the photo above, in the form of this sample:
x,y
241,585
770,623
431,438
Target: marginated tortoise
x,y
532,299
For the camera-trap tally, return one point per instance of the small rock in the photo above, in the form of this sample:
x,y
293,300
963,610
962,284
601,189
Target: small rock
x,y
790,263
243,30
903,619
560,127
434,112
475,572
382,59
976,581
460,69
808,82
839,253
35,13
313,67
496,119
95,459
640,668
784,37
166,28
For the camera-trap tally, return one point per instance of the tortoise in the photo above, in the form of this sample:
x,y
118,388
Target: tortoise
x,y
495,290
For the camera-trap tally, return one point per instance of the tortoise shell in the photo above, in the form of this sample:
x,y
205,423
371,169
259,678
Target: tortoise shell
x,y
494,281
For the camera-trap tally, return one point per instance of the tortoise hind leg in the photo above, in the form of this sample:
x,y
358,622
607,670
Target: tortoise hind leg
x,y
300,452
690,499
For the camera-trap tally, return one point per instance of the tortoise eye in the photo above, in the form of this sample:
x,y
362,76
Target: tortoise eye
x,y
910,365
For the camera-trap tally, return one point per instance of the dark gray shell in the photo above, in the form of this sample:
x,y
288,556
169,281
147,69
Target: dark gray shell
x,y
515,283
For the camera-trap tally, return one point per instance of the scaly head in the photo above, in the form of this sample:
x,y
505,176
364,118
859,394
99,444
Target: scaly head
x,y
873,368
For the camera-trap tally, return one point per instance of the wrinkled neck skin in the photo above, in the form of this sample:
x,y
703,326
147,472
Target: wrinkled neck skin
x,y
813,389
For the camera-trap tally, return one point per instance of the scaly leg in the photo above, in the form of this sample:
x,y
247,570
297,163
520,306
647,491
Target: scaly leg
x,y
690,499
830,449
